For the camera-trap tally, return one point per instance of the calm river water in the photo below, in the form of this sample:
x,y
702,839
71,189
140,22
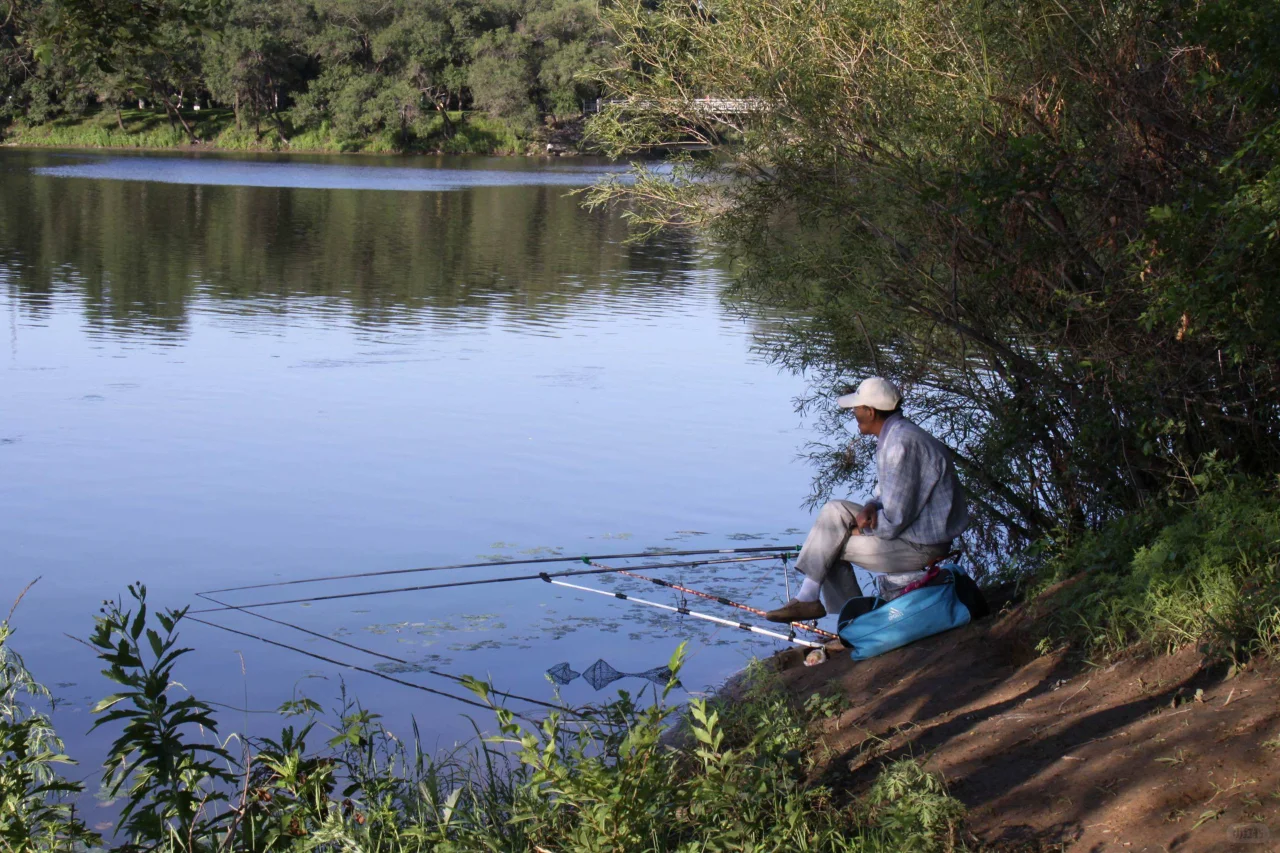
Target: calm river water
x,y
222,371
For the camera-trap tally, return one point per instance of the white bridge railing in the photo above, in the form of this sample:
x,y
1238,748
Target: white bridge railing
x,y
702,106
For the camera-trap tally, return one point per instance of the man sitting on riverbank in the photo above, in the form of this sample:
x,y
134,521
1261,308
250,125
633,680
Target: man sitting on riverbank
x,y
917,510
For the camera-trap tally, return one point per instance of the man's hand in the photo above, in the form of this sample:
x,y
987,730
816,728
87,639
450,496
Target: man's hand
x,y
866,518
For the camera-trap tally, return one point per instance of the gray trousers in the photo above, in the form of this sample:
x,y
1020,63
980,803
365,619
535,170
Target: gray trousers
x,y
834,542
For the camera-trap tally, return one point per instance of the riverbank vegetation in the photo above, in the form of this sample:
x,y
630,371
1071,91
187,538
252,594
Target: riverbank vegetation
x,y
466,133
414,75
1205,574
606,778
1055,224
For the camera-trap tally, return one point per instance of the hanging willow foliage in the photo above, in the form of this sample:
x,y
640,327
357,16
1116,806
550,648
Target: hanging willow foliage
x,y
1053,222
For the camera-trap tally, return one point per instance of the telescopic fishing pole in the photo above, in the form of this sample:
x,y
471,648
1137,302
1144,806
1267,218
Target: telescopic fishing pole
x,y
455,584
685,611
356,667
813,629
372,652
771,549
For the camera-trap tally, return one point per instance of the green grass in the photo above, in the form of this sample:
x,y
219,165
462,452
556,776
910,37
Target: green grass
x,y
479,134
1205,572
142,129
471,133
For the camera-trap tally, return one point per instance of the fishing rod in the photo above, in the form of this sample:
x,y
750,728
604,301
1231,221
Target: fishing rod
x,y
355,667
457,678
454,584
685,611
531,562
813,629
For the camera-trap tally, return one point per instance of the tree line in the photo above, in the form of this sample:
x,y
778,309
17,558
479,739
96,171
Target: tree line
x,y
352,70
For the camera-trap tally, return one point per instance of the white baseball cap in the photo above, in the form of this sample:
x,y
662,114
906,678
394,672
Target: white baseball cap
x,y
874,392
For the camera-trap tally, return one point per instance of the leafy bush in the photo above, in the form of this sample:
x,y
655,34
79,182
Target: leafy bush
x,y
35,807
1206,572
912,808
1053,221
614,783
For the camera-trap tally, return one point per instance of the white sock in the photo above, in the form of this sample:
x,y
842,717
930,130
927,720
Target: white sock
x,y
809,590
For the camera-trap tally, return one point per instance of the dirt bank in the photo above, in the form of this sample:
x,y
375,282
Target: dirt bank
x,y
1152,755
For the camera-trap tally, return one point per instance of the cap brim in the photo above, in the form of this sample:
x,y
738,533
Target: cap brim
x,y
848,401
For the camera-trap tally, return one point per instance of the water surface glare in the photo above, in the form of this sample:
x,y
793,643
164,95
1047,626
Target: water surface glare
x,y
205,385
220,171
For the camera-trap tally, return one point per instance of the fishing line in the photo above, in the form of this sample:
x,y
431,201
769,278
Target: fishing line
x,y
685,611
373,653
716,632
357,668
531,562
455,584
762,554
716,598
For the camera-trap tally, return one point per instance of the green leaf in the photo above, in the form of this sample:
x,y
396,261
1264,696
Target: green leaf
x,y
104,704
157,645
135,630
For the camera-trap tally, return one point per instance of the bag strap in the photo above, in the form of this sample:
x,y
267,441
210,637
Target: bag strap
x,y
933,569
933,572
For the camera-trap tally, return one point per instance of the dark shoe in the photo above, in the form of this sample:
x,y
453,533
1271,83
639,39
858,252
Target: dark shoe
x,y
797,611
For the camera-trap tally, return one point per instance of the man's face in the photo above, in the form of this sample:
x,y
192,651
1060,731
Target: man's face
x,y
866,418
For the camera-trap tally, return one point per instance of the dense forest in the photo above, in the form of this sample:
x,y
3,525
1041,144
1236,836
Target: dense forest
x,y
397,75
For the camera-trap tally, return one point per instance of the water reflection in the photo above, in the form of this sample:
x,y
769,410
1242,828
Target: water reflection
x,y
139,251
435,175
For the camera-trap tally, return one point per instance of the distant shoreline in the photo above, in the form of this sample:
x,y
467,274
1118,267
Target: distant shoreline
x,y
207,148
473,133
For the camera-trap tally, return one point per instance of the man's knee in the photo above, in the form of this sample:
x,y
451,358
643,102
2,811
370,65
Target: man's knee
x,y
842,511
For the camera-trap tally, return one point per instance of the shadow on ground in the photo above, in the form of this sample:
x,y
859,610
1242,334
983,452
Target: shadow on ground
x,y
1049,753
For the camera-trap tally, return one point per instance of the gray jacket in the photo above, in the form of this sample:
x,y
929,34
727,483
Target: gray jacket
x,y
918,493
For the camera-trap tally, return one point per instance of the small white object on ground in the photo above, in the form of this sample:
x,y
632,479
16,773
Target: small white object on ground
x,y
815,657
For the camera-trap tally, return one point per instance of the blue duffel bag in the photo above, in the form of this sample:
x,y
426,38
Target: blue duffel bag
x,y
873,626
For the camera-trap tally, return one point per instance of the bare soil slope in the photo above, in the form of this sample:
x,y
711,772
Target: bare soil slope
x,y
1153,755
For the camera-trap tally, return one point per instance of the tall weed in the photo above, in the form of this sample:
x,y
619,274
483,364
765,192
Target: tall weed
x,y
36,806
170,777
